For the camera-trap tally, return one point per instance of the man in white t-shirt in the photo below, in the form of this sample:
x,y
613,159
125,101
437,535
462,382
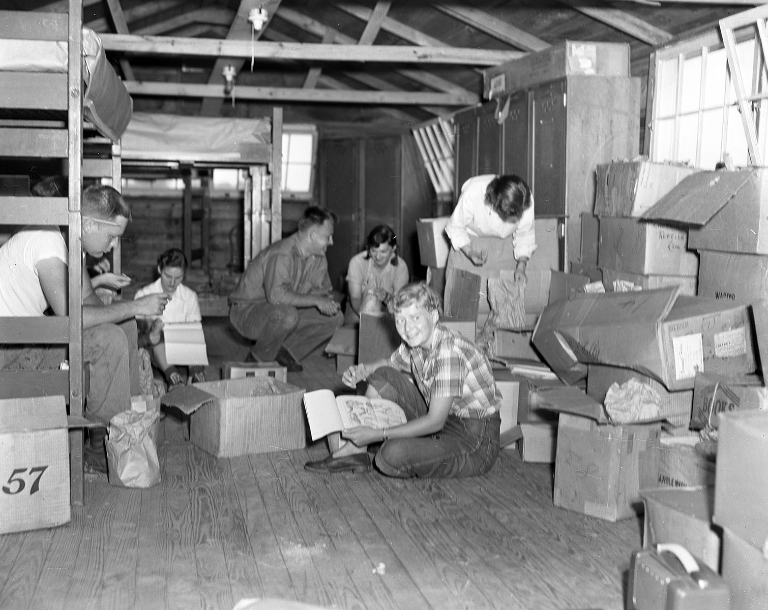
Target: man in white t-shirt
x,y
34,277
183,306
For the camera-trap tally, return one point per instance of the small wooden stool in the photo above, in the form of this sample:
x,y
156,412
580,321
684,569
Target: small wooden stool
x,y
237,370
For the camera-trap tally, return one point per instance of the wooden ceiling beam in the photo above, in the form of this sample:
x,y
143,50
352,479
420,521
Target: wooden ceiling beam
x,y
372,28
240,29
493,26
208,47
290,94
320,29
121,27
211,16
623,22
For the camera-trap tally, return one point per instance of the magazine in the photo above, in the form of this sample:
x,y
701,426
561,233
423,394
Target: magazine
x,y
327,413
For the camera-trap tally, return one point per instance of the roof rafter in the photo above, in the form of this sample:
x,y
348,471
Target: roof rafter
x,y
491,25
239,29
121,26
624,22
210,16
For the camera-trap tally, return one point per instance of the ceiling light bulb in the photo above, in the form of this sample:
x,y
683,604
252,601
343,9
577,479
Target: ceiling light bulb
x,y
258,17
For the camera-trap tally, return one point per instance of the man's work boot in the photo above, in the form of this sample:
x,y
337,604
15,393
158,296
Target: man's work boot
x,y
285,359
95,450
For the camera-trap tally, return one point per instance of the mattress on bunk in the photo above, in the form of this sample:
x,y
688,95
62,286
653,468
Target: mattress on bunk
x,y
185,138
106,102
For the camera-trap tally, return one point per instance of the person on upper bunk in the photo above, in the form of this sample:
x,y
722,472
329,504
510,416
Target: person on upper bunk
x,y
283,302
182,306
34,277
375,275
452,409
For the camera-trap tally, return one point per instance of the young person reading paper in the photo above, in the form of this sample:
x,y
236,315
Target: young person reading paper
x,y
452,410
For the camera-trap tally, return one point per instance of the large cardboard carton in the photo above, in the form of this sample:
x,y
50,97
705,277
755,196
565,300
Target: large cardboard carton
x,y
714,395
515,344
564,59
510,387
629,188
634,246
683,516
538,442
675,407
680,465
433,242
600,468
741,492
34,460
745,570
343,345
377,338
622,281
236,417
741,278
656,332
726,210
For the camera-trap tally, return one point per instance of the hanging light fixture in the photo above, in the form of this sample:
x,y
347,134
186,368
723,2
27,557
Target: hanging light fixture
x,y
257,18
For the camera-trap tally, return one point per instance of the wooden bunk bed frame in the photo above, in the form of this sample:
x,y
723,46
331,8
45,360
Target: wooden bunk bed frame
x,y
61,138
262,210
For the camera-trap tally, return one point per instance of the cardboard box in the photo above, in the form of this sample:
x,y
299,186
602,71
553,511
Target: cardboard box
x,y
463,294
236,417
378,337
343,345
741,278
628,244
741,493
590,238
515,344
622,281
34,462
537,442
433,242
564,59
680,465
725,210
564,285
717,394
509,386
675,407
655,332
593,272
629,188
466,328
600,468
683,516
238,370
745,570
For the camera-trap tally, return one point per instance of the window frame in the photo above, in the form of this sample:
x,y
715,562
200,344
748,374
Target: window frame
x,y
299,128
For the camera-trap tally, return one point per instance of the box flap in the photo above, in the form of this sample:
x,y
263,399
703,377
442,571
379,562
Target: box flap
x,y
563,285
32,414
697,198
760,316
344,341
569,399
187,398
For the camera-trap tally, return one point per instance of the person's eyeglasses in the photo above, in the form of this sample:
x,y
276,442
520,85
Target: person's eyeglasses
x,y
105,222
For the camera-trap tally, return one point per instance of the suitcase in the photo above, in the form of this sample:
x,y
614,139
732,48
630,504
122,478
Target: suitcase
x,y
670,578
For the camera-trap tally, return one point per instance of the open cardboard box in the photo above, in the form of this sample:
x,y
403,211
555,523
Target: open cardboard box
x,y
726,210
600,468
655,332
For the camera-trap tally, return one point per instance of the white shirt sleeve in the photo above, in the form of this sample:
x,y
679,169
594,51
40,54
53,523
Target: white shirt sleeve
x,y
525,234
464,213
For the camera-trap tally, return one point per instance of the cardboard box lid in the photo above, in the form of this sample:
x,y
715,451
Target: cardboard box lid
x,y
698,197
39,413
344,341
187,398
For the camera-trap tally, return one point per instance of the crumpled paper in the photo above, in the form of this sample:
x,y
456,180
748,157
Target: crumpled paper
x,y
632,401
131,450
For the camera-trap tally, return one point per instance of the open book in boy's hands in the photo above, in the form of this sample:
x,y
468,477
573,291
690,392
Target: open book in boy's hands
x,y
327,413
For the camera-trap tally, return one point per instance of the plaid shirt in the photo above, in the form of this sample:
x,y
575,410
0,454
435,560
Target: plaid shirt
x,y
452,367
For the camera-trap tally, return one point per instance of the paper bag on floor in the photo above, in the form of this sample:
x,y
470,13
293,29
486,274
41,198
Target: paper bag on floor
x,y
131,450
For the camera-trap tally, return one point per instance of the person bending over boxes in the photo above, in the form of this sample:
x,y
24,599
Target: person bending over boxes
x,y
182,307
283,302
452,411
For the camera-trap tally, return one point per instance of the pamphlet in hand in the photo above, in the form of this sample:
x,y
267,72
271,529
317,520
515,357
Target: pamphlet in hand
x,y
327,413
185,343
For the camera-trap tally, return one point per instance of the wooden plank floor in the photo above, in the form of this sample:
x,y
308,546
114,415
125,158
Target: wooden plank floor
x,y
215,531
